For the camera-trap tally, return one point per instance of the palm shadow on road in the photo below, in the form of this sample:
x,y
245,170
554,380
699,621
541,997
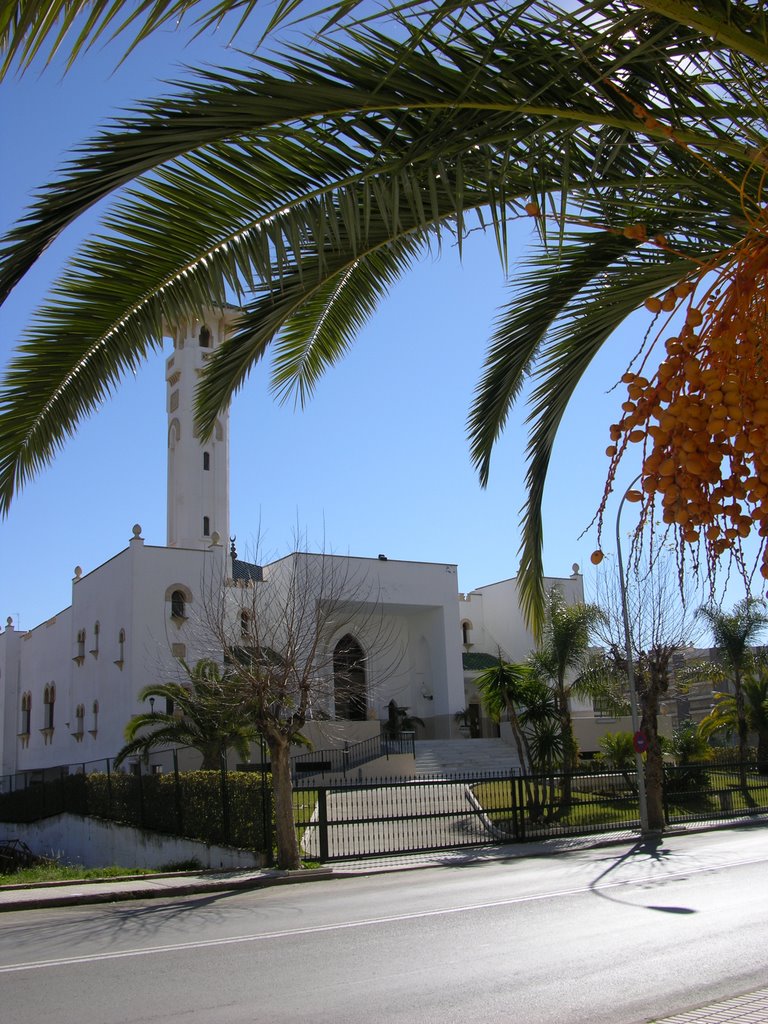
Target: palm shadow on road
x,y
649,848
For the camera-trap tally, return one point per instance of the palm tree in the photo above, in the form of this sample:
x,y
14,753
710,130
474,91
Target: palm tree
x,y
565,660
514,691
630,133
209,714
724,716
734,634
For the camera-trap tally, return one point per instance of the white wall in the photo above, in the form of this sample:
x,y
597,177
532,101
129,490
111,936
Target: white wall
x,y
496,618
94,843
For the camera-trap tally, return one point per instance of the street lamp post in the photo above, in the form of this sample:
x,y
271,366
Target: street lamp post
x,y
631,668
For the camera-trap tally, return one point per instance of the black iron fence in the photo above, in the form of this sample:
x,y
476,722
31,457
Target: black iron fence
x,y
381,817
341,760
222,807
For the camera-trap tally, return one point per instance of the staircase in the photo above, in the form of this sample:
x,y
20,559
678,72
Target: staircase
x,y
456,757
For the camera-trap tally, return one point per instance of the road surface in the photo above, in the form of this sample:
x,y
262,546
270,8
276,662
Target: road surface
x,y
617,935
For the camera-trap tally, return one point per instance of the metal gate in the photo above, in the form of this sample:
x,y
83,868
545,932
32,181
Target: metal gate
x,y
385,817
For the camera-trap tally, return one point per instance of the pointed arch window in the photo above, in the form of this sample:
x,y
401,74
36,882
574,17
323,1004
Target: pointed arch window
x,y
49,702
349,680
26,714
206,526
80,647
206,460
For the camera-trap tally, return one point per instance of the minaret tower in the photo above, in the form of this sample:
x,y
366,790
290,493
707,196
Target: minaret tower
x,y
198,474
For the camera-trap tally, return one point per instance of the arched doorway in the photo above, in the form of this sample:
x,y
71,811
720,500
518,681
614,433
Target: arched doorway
x,y
349,689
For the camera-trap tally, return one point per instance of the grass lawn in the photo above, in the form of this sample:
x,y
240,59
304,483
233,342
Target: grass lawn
x,y
588,810
61,873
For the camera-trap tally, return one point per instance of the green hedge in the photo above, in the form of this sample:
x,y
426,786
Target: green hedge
x,y
196,807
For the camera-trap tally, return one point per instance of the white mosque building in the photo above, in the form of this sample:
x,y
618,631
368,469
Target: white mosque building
x,y
68,686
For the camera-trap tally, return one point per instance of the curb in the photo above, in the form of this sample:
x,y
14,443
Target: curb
x,y
71,899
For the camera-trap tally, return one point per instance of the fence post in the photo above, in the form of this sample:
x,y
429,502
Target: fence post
x,y
177,793
140,784
520,799
322,821
266,817
514,807
224,797
664,788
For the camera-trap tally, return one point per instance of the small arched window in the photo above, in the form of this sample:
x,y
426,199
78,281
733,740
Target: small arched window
x,y
80,643
178,605
96,631
121,646
26,714
79,719
95,716
466,632
206,460
204,337
49,700
206,526
245,624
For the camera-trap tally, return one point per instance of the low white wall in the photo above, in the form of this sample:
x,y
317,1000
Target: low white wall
x,y
95,843
396,766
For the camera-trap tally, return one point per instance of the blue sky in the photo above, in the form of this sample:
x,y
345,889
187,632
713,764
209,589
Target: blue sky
x,y
377,462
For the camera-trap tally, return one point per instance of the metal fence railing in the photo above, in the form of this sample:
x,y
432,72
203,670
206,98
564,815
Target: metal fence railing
x,y
340,760
380,817
351,818
222,807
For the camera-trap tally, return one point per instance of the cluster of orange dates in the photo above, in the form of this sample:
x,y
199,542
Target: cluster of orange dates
x,y
703,416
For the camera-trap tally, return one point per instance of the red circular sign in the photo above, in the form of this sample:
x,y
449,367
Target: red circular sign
x,y
640,742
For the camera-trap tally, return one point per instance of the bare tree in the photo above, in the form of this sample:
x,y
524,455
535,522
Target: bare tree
x,y
308,639
662,618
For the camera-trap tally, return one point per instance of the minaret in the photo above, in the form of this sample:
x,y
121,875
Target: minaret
x,y
198,474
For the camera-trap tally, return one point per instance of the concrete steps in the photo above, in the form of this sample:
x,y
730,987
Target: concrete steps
x,y
453,757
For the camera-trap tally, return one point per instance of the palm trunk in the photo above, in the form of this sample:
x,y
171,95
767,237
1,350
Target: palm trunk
x,y
654,762
288,856
570,751
742,731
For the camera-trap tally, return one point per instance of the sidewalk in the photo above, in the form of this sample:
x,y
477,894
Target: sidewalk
x,y
187,883
749,1009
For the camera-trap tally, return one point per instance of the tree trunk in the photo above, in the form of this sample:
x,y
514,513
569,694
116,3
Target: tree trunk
x,y
570,754
762,752
654,780
742,731
653,682
288,856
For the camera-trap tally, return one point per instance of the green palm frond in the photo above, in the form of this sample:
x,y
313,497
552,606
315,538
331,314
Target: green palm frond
x,y
318,177
29,28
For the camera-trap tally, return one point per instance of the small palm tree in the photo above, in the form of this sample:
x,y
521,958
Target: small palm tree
x,y
724,716
399,721
567,663
618,753
618,750
734,634
209,714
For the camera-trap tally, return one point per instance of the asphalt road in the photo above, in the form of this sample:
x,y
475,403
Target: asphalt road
x,y
614,935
